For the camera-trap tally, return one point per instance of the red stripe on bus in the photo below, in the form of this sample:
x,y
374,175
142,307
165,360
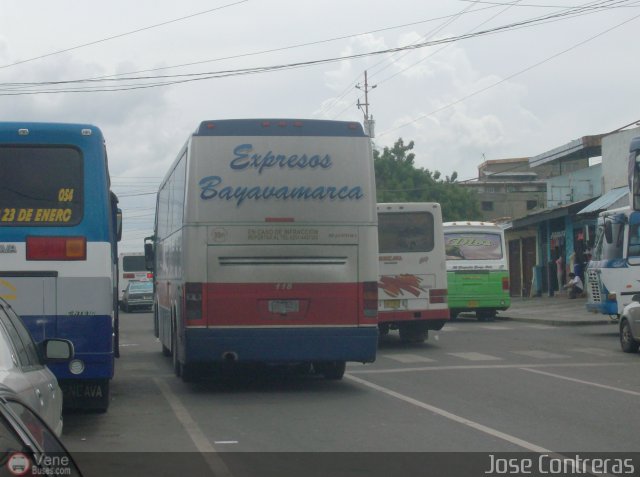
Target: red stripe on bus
x,y
283,304
385,316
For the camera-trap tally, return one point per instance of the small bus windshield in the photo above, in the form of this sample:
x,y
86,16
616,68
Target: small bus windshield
x,y
473,246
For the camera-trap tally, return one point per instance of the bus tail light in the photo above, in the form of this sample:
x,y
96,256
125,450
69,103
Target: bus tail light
x,y
129,275
438,295
370,296
56,248
149,275
505,283
193,301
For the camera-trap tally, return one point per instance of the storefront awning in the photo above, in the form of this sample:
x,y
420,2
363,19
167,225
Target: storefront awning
x,y
618,197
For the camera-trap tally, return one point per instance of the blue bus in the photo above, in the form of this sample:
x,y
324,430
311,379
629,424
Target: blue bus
x,y
59,227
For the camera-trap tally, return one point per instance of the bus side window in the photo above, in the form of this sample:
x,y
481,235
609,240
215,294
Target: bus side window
x,y
634,240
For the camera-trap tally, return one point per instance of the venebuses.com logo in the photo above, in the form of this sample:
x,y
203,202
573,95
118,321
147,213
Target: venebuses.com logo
x,y
18,463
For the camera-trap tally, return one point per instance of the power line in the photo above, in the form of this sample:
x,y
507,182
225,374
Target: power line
x,y
120,35
167,80
513,75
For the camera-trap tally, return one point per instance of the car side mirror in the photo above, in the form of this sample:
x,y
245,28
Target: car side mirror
x,y
57,351
119,225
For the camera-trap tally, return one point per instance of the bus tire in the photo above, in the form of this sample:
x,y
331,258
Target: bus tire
x,y
177,367
627,343
333,370
188,372
486,315
413,332
102,404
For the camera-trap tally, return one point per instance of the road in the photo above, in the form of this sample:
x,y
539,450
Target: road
x,y
504,386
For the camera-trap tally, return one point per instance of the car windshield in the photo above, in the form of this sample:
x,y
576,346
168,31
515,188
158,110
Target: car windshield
x,y
141,287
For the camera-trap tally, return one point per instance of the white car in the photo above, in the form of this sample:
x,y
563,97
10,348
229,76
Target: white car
x,y
630,326
23,367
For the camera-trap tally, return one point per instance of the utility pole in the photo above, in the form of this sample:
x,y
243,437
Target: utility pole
x,y
369,123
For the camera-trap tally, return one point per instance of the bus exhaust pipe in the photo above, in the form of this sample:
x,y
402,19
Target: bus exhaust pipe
x,y
230,356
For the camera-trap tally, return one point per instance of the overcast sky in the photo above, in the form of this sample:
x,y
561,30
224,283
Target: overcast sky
x,y
568,70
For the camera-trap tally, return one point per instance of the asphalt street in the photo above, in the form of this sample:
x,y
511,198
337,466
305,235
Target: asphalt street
x,y
502,386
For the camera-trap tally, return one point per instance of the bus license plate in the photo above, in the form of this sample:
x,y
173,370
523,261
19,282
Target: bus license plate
x,y
282,307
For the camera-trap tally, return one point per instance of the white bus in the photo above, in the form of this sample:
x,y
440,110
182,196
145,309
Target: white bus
x,y
477,268
131,266
612,276
412,285
265,247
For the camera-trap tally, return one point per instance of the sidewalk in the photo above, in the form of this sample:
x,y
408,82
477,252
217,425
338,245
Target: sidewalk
x,y
555,310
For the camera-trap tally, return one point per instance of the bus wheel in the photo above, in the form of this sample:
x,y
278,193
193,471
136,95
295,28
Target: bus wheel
x,y
486,315
177,368
383,329
188,372
413,332
627,343
333,370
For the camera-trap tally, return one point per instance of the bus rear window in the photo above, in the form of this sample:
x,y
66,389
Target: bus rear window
x,y
40,186
405,232
472,246
133,263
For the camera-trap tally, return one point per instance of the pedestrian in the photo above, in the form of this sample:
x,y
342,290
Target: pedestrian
x,y
574,285
559,271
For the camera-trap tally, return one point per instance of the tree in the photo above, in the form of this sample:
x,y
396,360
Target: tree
x,y
398,180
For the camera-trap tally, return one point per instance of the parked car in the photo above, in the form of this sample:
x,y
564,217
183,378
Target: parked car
x,y
137,295
28,446
630,326
23,366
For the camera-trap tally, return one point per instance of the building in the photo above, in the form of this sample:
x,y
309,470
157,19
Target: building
x,y
545,245
507,188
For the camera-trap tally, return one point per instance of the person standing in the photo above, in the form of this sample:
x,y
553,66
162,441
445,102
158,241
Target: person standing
x,y
559,271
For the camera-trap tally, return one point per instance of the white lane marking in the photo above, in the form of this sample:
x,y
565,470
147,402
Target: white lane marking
x,y
225,442
471,356
448,415
581,381
408,358
449,328
487,366
540,327
595,351
216,464
495,327
540,354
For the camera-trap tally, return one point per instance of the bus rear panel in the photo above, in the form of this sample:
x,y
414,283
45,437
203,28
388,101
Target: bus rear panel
x,y
57,220
477,269
412,282
273,259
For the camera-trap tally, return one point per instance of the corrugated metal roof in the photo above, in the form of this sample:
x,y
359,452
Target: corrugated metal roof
x,y
606,200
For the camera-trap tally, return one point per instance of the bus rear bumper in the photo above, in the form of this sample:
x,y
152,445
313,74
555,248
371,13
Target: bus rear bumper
x,y
604,308
281,345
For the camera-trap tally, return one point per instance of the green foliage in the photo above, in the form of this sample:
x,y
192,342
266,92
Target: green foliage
x,y
398,180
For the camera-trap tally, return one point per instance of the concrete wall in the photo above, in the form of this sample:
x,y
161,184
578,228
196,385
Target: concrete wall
x,y
575,186
615,153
